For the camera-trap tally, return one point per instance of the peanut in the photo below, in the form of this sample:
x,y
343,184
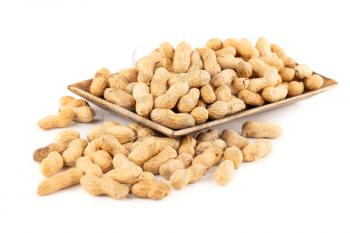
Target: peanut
x,y
200,115
154,163
239,84
129,74
295,88
209,61
51,164
169,167
214,44
120,98
313,82
223,93
125,171
182,57
162,141
232,138
167,49
99,82
234,154
264,47
274,94
185,158
74,151
207,159
255,129
61,120
208,94
102,159
144,152
180,178
69,101
123,133
302,71
287,74
146,65
111,145
118,81
172,120
196,62
256,150
220,109
159,82
225,77
144,100
104,186
188,102
60,181
271,78
244,47
187,145
88,167
209,135
152,189
173,94
92,146
196,78
251,98
218,145
274,61
130,87
223,174
259,66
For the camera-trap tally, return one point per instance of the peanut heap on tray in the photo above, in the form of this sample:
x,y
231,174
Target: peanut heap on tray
x,y
183,87
123,161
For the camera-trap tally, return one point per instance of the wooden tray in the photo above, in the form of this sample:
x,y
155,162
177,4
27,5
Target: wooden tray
x,y
82,89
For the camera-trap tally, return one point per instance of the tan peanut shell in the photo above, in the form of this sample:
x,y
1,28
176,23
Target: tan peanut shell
x,y
51,164
130,74
130,87
111,145
302,71
218,145
223,93
209,135
232,138
256,150
185,158
274,94
154,163
144,152
159,82
225,77
83,114
123,133
102,159
104,186
287,74
173,94
238,85
74,151
254,129
144,100
313,82
214,44
125,171
120,98
251,98
223,173
169,167
92,146
61,120
207,159
163,141
264,47
152,189
244,47
196,78
69,101
42,152
187,145
172,120
167,50
200,115
118,81
295,88
189,101
99,82
273,61
182,57
234,154
145,67
60,181
210,63
180,178
88,167
259,66
220,109
208,94
196,61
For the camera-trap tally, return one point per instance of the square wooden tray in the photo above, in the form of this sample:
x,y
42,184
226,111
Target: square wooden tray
x,y
82,89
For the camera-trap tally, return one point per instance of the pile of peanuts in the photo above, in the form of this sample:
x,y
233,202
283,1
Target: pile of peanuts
x,y
181,87
123,161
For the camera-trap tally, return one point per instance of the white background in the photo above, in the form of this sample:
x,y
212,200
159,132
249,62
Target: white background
x,y
303,186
